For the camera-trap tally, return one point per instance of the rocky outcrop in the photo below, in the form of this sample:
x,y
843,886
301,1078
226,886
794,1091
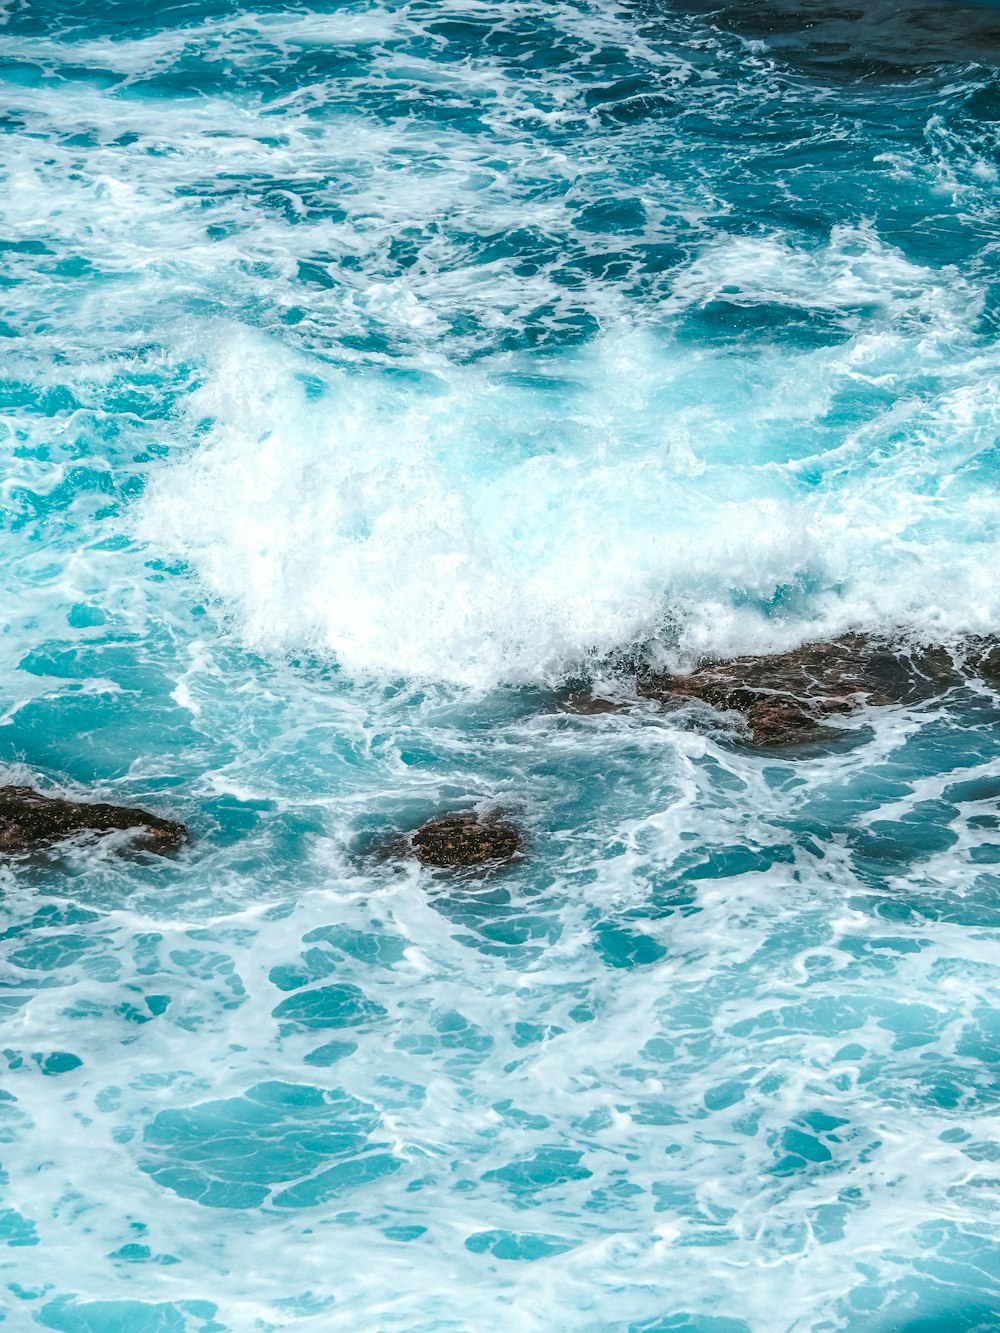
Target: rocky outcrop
x,y
785,698
27,819
466,840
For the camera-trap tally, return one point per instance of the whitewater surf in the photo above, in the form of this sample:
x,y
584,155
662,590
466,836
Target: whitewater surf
x,y
388,391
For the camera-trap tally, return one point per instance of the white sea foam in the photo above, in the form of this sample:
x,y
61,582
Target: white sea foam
x,y
483,527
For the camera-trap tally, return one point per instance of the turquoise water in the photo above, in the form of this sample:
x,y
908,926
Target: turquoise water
x,y
370,371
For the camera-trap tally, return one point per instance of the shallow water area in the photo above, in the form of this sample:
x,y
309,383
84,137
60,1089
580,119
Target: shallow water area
x,y
375,378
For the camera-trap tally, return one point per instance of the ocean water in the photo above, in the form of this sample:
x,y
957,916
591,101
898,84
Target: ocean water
x,y
372,372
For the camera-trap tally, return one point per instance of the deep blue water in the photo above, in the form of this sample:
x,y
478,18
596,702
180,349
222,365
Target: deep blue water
x,y
369,371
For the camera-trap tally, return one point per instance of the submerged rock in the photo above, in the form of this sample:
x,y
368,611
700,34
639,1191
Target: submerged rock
x,y
785,698
466,840
28,818
588,705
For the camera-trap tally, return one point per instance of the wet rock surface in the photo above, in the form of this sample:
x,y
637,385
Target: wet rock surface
x,y
785,698
588,705
27,819
981,657
466,840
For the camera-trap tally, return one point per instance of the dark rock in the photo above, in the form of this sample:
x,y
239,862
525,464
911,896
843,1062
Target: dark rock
x,y
982,658
589,705
466,840
28,818
786,697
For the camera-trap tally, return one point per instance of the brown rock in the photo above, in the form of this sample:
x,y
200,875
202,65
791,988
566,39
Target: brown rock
x,y
589,705
466,840
786,697
28,818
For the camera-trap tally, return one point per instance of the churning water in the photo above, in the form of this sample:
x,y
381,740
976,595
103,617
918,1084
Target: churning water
x,y
369,371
